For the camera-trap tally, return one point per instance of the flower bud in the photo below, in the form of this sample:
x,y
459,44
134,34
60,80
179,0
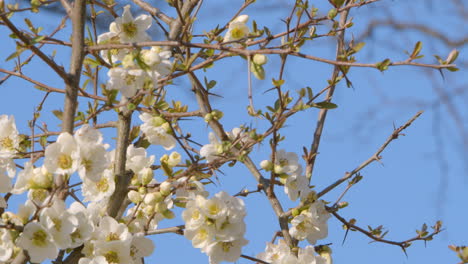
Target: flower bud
x,y
165,188
208,117
266,165
260,59
134,196
174,159
278,169
146,175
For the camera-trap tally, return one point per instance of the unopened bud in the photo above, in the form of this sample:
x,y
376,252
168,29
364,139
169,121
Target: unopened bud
x,y
266,165
134,196
165,188
260,59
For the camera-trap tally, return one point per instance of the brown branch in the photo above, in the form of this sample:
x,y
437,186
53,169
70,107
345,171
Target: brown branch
x,y
28,44
76,64
153,11
402,244
375,157
247,53
312,154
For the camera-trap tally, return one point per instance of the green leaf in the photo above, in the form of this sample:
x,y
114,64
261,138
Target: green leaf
x,y
356,48
325,105
37,39
416,50
13,55
382,66
58,113
277,83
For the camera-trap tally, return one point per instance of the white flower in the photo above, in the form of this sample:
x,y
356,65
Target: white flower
x,y
114,253
311,224
131,30
237,29
88,135
102,189
213,150
137,159
112,55
287,162
297,185
95,260
61,157
275,253
38,242
59,223
9,136
225,250
127,81
6,245
112,232
93,161
84,228
201,237
174,159
155,129
158,61
140,247
32,178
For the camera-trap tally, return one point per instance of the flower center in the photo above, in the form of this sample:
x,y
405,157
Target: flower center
x,y
7,143
112,257
130,29
65,161
102,185
39,238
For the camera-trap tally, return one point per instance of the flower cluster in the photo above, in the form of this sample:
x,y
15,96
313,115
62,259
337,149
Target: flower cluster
x,y
216,148
139,68
216,226
287,166
157,131
311,224
281,254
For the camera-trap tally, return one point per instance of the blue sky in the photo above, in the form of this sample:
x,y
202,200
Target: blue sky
x,y
422,177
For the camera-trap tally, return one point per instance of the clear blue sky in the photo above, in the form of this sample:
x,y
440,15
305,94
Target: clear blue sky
x,y
422,177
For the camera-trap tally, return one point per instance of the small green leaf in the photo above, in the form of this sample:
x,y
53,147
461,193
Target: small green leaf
x,y
58,113
416,50
277,83
382,66
325,105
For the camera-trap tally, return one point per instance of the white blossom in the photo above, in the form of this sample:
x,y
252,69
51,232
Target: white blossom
x,y
59,223
158,62
140,247
156,131
311,224
99,190
85,226
237,29
94,260
213,150
127,81
9,136
38,242
137,159
6,245
32,178
131,30
61,157
225,250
